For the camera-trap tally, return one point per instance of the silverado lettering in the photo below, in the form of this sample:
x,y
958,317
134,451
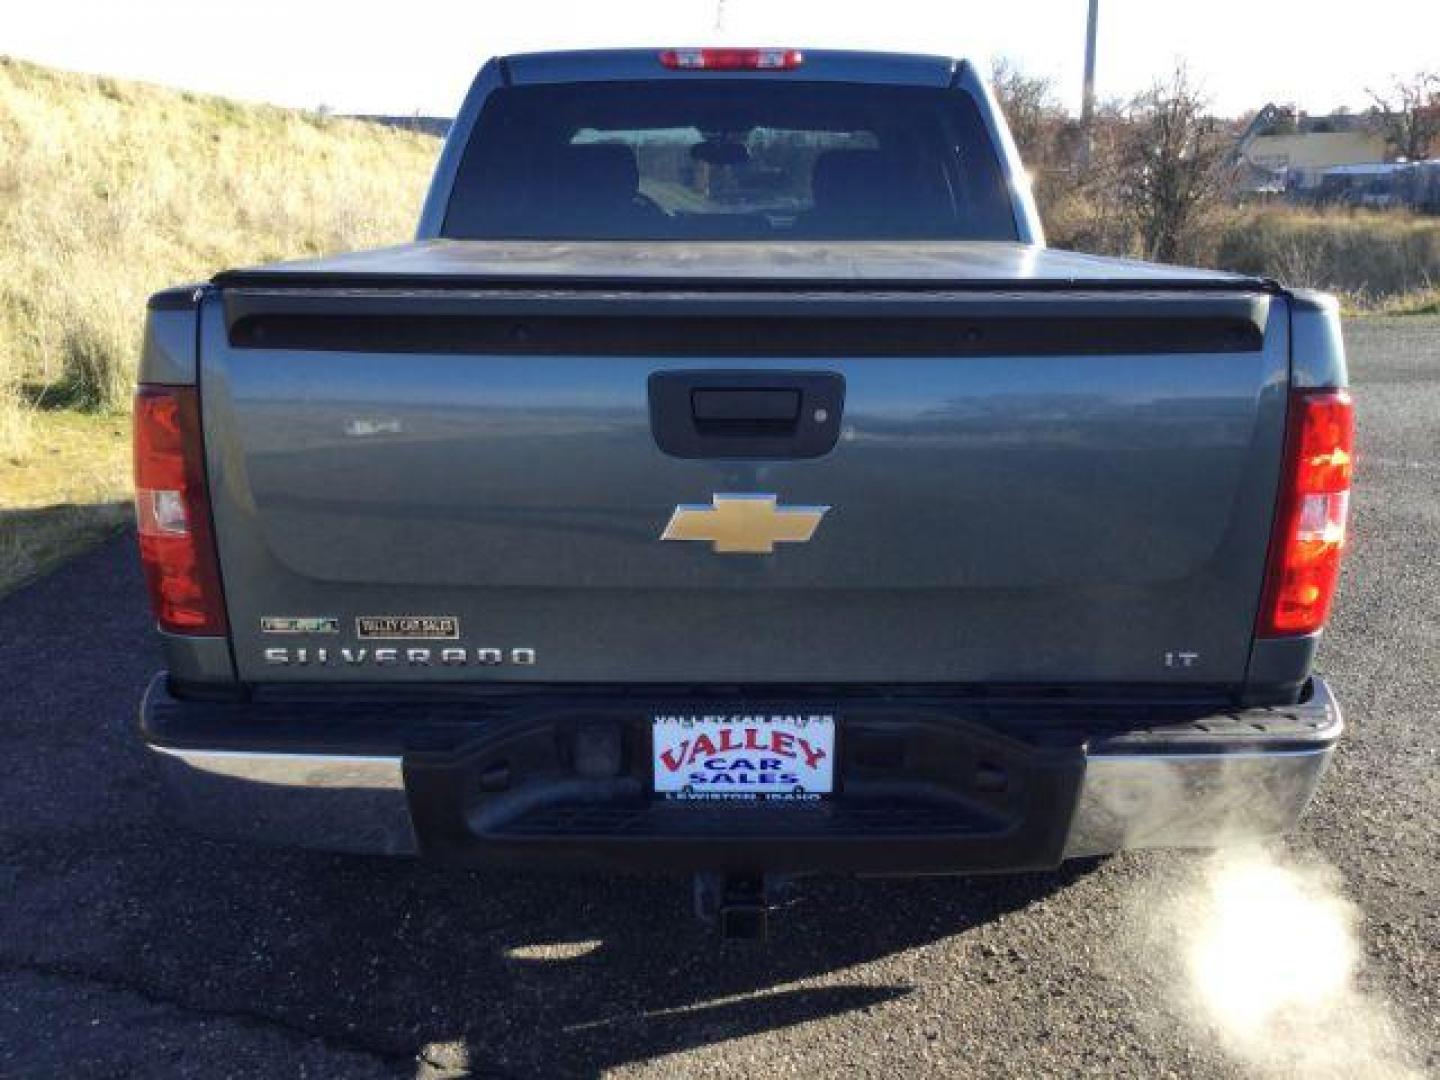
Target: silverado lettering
x,y
454,656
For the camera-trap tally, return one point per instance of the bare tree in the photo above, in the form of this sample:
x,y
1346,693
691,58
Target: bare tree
x,y
1172,168
1409,114
1048,142
1156,174
1030,107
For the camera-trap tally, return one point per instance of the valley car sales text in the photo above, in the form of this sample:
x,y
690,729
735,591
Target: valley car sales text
x,y
746,752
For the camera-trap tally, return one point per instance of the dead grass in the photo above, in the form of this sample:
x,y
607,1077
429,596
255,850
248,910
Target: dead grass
x,y
1380,259
70,490
1384,262
1421,302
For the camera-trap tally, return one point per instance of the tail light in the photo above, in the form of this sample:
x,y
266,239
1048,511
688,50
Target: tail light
x,y
732,59
172,512
1309,532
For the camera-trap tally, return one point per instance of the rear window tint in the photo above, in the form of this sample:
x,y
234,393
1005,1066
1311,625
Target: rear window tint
x,y
726,159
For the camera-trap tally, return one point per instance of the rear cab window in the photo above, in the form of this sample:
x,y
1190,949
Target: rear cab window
x,y
729,160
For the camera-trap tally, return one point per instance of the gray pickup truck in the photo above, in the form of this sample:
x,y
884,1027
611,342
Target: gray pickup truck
x,y
728,480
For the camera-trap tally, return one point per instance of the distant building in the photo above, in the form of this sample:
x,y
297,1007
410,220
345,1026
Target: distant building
x,y
1286,150
1382,185
1429,117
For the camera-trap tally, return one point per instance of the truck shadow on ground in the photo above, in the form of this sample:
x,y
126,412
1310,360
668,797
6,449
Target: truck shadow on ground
x,y
422,965
417,967
537,974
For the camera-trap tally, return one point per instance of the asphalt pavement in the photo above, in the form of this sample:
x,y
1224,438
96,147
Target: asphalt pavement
x,y
129,946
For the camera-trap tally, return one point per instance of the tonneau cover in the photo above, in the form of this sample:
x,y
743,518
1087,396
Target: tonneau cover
x,y
722,264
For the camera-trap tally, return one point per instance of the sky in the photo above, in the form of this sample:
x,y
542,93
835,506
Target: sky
x,y
420,55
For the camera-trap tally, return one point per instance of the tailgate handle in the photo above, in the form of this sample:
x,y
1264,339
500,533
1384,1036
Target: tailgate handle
x,y
746,414
735,411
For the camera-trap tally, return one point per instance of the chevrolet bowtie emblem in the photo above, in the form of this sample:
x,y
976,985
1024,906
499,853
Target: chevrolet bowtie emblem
x,y
744,524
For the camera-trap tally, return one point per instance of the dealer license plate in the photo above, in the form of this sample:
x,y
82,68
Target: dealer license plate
x,y
769,755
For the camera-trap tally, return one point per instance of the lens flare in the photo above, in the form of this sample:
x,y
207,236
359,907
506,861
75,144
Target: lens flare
x,y
1266,951
1269,941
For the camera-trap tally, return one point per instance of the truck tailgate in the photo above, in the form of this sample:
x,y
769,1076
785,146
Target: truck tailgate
x,y
1065,485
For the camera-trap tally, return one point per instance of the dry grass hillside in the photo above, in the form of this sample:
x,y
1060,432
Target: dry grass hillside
x,y
110,190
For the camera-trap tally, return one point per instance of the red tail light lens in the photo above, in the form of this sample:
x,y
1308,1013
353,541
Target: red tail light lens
x,y
172,512
1309,536
732,59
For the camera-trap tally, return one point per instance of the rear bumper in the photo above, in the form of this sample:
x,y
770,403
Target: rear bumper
x,y
927,784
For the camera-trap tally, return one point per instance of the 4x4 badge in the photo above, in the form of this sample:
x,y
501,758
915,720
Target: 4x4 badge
x,y
299,624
